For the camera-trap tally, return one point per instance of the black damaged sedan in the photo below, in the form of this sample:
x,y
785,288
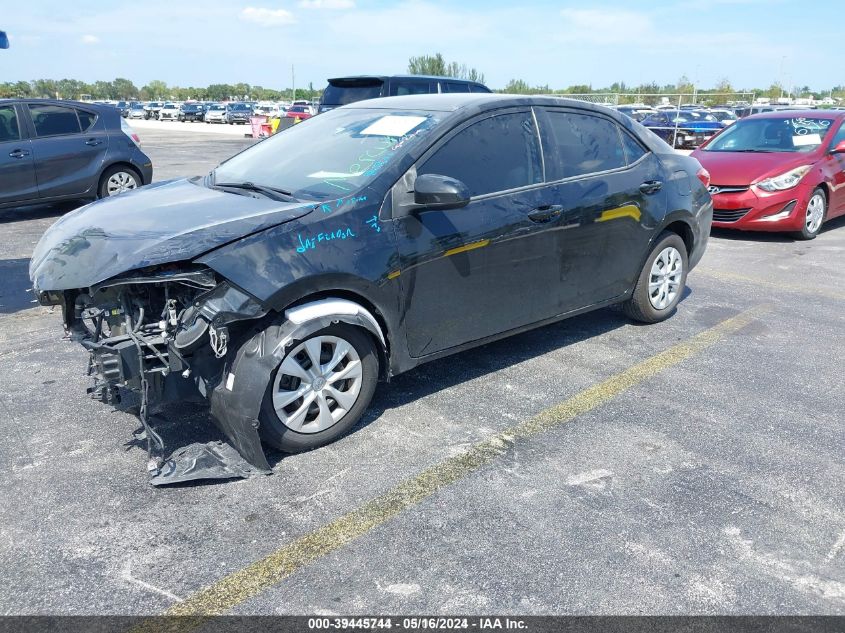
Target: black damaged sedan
x,y
350,248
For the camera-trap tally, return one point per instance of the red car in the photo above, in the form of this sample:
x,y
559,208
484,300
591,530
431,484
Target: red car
x,y
300,112
778,171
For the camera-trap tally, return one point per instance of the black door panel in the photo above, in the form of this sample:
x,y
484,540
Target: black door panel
x,y
607,214
473,272
477,271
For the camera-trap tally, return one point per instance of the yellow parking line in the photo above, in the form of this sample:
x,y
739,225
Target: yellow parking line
x,y
807,290
236,588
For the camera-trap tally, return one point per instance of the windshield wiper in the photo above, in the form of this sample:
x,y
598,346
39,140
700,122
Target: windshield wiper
x,y
755,151
271,192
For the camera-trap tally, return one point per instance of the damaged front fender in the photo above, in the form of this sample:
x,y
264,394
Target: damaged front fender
x,y
236,400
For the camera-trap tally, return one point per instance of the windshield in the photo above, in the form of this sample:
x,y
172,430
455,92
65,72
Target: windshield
x,y
330,155
335,95
772,135
239,106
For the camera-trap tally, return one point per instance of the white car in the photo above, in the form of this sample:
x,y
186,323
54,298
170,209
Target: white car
x,y
728,117
216,113
169,112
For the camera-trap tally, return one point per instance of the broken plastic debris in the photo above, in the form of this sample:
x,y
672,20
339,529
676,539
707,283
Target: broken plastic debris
x,y
213,460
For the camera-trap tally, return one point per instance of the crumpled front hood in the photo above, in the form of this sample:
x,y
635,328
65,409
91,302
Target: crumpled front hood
x,y
165,222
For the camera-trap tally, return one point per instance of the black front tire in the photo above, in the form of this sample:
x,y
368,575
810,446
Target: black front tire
x,y
274,432
640,307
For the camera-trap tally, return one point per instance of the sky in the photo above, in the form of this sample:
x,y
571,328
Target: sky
x,y
752,43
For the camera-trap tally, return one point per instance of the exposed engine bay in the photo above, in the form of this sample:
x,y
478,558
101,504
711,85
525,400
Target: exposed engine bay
x,y
163,333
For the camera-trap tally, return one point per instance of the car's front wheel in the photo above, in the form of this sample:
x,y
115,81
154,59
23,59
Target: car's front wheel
x,y
118,179
814,216
320,389
661,282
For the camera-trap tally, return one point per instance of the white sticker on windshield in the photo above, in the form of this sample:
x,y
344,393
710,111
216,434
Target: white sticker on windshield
x,y
392,125
336,174
806,139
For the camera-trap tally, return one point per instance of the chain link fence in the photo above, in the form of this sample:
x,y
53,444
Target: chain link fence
x,y
613,99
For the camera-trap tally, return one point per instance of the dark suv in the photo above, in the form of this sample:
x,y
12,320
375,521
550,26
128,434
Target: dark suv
x,y
64,150
344,90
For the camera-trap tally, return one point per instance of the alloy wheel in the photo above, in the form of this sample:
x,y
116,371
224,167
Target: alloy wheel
x,y
815,213
317,383
665,278
119,182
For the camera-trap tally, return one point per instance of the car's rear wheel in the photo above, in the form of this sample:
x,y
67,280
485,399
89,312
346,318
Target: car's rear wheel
x,y
320,389
117,179
661,282
814,216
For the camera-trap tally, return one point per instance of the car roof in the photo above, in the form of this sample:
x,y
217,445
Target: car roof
x,y
451,102
99,107
384,77
809,114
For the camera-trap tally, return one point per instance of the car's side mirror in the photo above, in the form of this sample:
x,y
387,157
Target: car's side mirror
x,y
432,191
839,148
4,40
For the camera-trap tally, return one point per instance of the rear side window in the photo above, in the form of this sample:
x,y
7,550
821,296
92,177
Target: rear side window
x,y
9,129
341,94
498,153
399,88
86,119
455,86
52,120
633,150
583,144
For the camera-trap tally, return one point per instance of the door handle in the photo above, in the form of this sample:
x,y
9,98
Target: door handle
x,y
545,213
92,142
651,186
18,153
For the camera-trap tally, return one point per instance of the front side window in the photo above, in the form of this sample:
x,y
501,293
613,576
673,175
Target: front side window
x,y
52,120
496,154
584,144
9,129
839,136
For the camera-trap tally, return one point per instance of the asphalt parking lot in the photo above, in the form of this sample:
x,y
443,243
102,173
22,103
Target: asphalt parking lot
x,y
590,467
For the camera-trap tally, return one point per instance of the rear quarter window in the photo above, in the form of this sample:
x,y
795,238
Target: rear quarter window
x,y
86,119
399,87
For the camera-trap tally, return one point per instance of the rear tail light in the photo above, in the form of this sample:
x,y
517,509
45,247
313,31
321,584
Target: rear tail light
x,y
704,176
127,129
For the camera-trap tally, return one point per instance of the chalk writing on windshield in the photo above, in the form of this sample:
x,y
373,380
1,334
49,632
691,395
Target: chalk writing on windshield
x,y
328,207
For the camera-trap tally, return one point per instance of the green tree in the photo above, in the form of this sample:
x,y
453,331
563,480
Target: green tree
x,y
156,89
124,89
44,88
436,65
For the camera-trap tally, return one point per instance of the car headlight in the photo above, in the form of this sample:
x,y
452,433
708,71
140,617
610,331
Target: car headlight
x,y
784,181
